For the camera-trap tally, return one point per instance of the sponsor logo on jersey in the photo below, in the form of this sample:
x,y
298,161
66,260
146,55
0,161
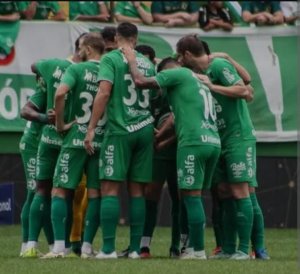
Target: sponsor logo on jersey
x,y
189,165
228,75
57,73
31,184
31,168
208,125
64,168
249,159
48,140
237,169
210,139
137,112
90,77
109,160
138,126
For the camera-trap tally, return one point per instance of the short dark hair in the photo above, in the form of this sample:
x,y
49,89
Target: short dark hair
x,y
95,41
109,33
127,30
191,43
166,61
146,50
206,47
78,39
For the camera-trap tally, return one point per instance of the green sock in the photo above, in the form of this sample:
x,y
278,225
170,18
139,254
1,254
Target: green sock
x,y
36,214
229,233
184,227
150,220
69,221
25,216
244,221
47,224
109,218
196,221
217,216
58,217
258,230
173,192
137,221
92,219
175,226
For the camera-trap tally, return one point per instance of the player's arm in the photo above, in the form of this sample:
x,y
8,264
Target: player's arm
x,y
166,142
138,78
167,126
99,107
32,113
238,90
60,94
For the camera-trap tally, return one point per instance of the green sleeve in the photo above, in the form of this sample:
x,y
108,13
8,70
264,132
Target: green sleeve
x,y
70,77
106,71
193,6
119,8
157,7
54,6
275,6
246,6
167,78
22,5
225,73
39,98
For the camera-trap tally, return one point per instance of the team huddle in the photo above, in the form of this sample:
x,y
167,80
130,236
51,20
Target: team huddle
x,y
109,115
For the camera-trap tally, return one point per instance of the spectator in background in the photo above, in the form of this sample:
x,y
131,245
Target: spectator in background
x,y
214,16
175,13
40,10
9,26
109,37
88,11
262,12
290,11
133,12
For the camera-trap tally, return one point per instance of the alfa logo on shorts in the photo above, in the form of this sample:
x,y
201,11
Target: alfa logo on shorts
x,y
189,180
31,184
108,170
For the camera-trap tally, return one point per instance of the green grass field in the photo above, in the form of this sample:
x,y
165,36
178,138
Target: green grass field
x,y
282,246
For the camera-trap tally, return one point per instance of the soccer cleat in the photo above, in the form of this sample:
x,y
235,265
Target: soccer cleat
x,y
124,253
133,255
32,253
190,254
220,256
217,250
101,255
261,254
88,255
53,255
239,255
145,252
174,253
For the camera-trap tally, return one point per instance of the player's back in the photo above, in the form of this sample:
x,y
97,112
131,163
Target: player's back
x,y
128,109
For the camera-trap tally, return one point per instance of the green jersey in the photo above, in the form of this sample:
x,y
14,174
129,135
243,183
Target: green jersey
x,y
192,105
233,119
10,7
126,8
82,80
167,7
128,109
44,8
90,8
51,71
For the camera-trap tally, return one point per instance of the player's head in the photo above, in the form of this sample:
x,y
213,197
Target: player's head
x,y
192,52
91,46
109,37
76,57
148,51
167,63
127,32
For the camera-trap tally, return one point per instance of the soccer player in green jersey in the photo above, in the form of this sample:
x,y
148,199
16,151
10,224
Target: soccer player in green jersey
x,y
237,167
80,84
33,112
127,149
51,72
198,145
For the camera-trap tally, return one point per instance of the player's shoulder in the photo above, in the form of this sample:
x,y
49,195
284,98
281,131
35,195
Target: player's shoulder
x,y
218,63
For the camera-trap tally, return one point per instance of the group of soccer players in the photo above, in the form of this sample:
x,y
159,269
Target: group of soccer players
x,y
108,116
